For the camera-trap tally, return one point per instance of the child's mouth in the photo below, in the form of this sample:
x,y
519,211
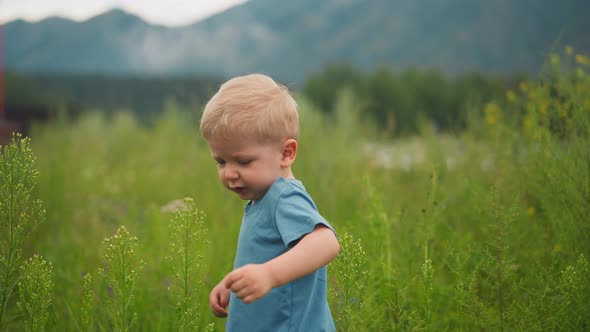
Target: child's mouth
x,y
238,190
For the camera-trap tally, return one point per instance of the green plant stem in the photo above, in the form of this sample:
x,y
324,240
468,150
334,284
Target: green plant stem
x,y
500,281
186,258
7,289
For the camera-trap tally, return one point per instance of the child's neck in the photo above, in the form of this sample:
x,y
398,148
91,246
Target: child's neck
x,y
288,174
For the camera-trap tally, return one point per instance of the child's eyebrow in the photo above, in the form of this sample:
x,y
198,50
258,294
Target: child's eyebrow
x,y
242,155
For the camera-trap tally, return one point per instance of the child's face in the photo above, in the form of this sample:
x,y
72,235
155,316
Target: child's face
x,y
248,167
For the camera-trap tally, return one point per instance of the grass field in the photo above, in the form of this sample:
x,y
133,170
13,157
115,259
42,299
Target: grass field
x,y
487,229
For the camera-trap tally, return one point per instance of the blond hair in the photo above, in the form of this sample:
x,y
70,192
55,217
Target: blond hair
x,y
251,106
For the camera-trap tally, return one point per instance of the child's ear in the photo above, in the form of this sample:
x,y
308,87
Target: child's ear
x,y
289,152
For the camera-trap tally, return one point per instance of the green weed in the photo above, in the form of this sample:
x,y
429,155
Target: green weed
x,y
35,293
20,213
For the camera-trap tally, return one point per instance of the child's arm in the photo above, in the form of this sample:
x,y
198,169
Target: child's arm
x,y
314,250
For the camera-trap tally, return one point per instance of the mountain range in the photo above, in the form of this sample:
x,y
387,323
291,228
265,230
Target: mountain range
x,y
290,39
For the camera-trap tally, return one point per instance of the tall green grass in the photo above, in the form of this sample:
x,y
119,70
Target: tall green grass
x,y
483,230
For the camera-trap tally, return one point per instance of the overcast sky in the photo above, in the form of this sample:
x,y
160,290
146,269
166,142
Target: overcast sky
x,y
166,12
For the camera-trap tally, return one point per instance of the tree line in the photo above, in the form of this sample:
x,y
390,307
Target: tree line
x,y
399,100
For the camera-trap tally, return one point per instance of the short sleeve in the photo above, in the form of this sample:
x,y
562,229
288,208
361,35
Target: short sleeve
x,y
296,215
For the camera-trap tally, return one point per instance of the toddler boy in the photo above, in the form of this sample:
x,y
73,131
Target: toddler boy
x,y
279,281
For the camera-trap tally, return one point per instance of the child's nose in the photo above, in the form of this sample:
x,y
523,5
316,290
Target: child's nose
x,y
229,172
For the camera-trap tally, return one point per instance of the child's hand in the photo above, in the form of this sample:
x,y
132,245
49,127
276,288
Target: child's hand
x,y
219,299
250,282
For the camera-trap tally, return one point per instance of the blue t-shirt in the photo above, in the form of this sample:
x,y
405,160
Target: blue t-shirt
x,y
270,227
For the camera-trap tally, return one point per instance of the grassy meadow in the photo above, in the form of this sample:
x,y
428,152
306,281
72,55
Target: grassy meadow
x,y
484,229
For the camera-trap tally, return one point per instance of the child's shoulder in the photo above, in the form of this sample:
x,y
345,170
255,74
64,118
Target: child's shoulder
x,y
282,187
289,192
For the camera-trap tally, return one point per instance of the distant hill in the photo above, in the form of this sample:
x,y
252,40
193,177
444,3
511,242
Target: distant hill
x,y
293,38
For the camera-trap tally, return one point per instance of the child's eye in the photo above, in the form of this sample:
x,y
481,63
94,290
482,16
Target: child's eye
x,y
220,162
244,162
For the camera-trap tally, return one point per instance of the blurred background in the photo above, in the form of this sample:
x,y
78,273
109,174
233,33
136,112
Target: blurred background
x,y
445,140
138,56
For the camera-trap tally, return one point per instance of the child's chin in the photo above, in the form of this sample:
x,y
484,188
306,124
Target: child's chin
x,y
249,197
245,196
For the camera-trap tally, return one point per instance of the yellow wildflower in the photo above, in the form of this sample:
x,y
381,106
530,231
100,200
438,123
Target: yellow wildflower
x,y
555,59
582,59
531,211
569,50
543,107
491,119
492,111
523,86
